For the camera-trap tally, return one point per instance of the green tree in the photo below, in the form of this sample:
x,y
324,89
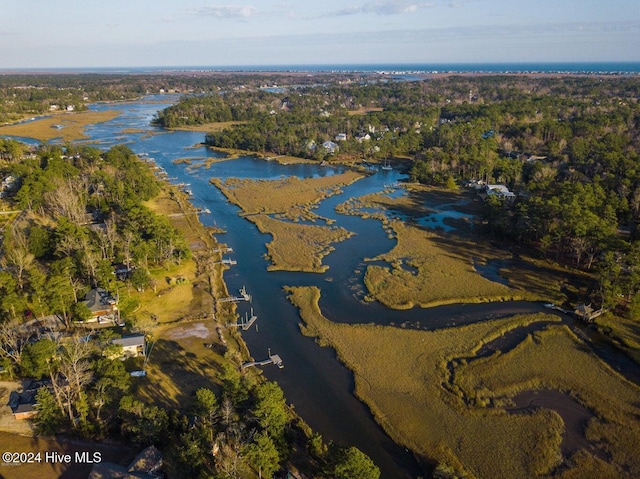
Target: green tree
x,y
262,455
271,409
49,417
140,279
354,464
81,312
206,404
145,424
112,381
37,358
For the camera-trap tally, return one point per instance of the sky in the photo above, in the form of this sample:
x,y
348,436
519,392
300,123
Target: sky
x,y
156,33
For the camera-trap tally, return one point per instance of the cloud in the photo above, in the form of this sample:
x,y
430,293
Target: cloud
x,y
227,11
391,7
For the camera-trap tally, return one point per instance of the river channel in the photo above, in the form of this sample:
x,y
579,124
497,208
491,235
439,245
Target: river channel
x,y
314,381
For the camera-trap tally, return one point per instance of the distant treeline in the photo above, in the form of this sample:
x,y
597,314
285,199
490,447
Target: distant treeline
x,y
34,94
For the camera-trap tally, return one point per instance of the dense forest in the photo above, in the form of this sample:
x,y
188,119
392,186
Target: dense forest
x,y
81,212
567,146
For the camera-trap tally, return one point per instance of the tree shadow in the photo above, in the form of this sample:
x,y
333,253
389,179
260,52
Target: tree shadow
x,y
175,373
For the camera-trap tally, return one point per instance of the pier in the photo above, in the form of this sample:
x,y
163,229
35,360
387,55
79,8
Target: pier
x,y
222,250
245,323
272,359
229,261
244,296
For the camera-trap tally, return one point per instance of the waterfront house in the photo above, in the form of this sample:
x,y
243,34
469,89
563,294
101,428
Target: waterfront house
x,y
501,191
341,137
330,147
102,305
132,345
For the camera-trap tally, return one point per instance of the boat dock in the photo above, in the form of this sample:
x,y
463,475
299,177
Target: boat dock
x,y
272,359
245,323
230,262
244,296
222,250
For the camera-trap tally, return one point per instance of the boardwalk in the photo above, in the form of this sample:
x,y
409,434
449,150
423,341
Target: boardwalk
x,y
272,359
244,296
246,323
229,262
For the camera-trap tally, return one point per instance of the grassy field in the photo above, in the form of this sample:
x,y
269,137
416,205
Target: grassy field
x,y
181,289
428,406
623,331
424,271
295,246
186,317
233,153
556,359
364,111
71,125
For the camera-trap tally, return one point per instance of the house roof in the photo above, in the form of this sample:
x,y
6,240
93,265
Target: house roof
x,y
99,299
129,341
142,467
499,190
23,408
148,460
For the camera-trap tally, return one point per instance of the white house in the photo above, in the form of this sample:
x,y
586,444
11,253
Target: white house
x,y
500,191
311,145
330,147
341,137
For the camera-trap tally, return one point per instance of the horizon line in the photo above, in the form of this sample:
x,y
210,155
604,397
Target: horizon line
x,y
423,67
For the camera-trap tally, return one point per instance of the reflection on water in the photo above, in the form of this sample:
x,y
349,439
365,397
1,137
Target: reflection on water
x,y
574,415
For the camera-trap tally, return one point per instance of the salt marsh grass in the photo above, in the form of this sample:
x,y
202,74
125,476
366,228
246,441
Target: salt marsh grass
x,y
67,126
422,388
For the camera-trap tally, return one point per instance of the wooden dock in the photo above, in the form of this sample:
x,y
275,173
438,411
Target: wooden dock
x,y
244,296
246,323
272,359
229,262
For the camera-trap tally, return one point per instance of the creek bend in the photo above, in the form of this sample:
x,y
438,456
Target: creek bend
x,y
314,381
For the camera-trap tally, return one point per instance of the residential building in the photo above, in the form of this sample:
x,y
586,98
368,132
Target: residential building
x,y
132,345
102,305
330,147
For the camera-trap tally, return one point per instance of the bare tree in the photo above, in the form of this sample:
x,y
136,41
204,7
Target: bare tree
x,y
17,257
68,199
72,374
12,342
17,260
128,241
